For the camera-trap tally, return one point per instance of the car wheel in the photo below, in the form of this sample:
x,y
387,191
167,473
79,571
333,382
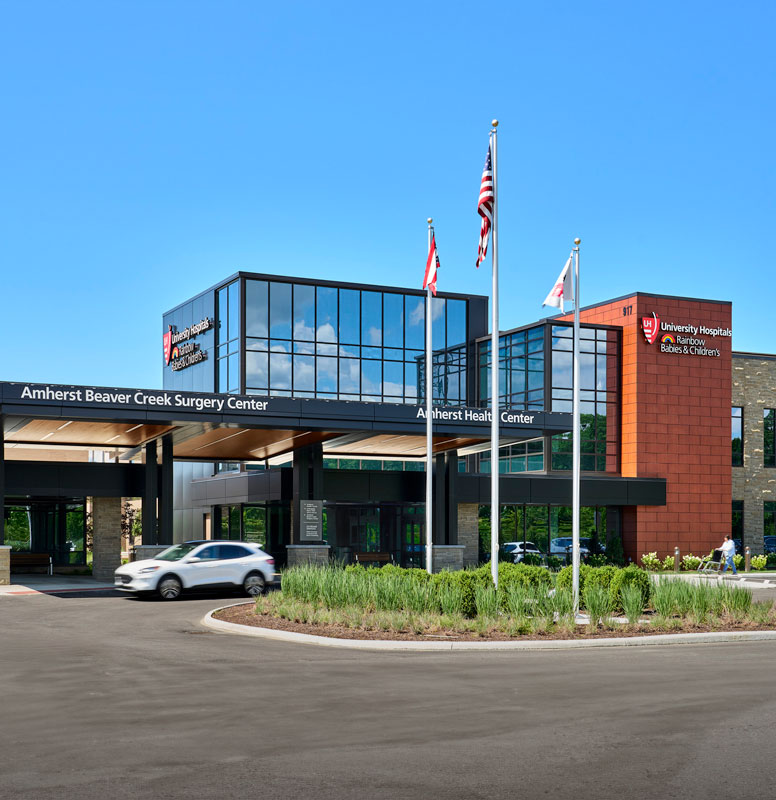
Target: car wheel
x,y
170,588
254,584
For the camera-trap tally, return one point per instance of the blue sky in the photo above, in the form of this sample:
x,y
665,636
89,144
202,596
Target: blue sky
x,y
152,148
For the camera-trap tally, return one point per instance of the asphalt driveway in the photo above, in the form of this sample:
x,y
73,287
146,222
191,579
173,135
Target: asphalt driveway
x,y
108,696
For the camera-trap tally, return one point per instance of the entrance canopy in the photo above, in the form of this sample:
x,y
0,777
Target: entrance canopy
x,y
244,428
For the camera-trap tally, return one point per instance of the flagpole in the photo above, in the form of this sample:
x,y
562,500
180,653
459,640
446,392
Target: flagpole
x,y
429,420
576,444
495,510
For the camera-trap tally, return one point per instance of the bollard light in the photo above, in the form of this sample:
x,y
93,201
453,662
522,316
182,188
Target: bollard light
x,y
747,559
676,559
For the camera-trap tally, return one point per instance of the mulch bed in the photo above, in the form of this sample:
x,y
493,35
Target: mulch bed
x,y
246,615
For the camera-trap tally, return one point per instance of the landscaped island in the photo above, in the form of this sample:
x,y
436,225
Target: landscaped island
x,y
531,601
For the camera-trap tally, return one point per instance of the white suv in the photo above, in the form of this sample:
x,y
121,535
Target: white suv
x,y
200,565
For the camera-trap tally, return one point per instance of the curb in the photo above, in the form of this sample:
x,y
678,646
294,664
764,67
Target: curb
x,y
533,644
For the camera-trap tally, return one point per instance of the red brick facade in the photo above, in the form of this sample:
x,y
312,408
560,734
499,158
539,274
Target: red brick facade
x,y
675,424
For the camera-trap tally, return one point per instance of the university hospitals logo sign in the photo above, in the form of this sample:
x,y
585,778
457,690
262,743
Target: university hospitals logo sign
x,y
651,327
683,339
167,339
179,351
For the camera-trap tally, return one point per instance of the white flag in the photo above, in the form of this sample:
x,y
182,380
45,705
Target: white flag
x,y
563,289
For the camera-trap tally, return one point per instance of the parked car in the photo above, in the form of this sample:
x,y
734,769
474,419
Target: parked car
x,y
199,565
562,546
519,549
770,544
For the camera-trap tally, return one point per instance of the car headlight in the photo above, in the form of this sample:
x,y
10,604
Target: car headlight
x,y
148,569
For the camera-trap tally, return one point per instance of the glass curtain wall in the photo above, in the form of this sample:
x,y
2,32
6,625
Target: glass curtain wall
x,y
525,378
548,527
349,344
264,524
48,526
521,370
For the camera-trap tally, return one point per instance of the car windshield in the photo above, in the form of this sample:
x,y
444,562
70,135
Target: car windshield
x,y
176,552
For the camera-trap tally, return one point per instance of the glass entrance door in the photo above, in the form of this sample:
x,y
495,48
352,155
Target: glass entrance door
x,y
413,540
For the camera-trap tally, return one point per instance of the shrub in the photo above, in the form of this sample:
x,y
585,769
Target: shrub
x,y
690,562
531,559
669,562
630,576
555,562
651,561
759,562
596,560
614,551
771,560
600,576
457,589
738,560
566,577
525,574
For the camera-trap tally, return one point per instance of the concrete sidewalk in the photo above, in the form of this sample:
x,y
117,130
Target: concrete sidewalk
x,y
52,584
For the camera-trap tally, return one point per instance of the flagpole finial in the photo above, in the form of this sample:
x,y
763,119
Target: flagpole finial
x,y
429,220
494,123
577,240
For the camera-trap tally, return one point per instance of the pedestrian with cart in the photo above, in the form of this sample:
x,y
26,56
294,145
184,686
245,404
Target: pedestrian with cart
x,y
728,551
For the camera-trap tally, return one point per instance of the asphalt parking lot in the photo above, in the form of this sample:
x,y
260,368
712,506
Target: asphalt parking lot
x,y
108,696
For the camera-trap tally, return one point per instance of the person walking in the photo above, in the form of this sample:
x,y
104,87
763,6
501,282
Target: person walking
x,y
728,549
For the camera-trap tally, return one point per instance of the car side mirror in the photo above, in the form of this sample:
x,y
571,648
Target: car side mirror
x,y
193,560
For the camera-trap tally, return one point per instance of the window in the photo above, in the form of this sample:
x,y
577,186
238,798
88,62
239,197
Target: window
x,y
228,340
769,518
737,436
522,457
227,523
737,520
233,551
769,437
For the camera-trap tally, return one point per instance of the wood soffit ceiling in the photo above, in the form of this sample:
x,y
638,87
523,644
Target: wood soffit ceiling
x,y
222,443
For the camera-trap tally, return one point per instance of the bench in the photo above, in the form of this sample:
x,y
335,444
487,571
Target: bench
x,y
32,560
373,558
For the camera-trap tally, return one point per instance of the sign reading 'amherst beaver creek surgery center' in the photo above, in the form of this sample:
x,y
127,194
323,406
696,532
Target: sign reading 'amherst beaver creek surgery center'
x,y
683,339
166,405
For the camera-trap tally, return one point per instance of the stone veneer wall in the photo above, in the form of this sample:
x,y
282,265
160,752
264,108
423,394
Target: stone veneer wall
x,y
5,565
307,554
754,389
469,533
447,556
106,544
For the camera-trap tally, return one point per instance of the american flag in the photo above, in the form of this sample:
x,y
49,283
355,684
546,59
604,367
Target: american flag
x,y
432,265
485,208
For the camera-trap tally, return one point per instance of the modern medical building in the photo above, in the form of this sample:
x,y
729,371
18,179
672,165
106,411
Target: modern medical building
x,y
291,414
